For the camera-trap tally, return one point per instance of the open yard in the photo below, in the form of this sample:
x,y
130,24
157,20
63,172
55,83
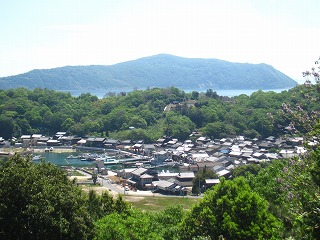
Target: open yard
x,y
157,203
75,173
150,203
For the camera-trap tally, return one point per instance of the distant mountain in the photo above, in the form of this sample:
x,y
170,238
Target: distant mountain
x,y
161,70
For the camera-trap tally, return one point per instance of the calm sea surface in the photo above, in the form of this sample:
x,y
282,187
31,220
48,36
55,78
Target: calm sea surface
x,y
60,159
229,93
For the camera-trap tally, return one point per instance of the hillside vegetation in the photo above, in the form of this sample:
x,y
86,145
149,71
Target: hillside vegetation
x,y
156,71
140,115
277,200
280,200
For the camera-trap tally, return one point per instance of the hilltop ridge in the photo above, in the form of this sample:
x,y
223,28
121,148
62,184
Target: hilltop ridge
x,y
162,70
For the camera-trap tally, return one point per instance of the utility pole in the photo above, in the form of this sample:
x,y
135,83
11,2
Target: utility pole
x,y
199,179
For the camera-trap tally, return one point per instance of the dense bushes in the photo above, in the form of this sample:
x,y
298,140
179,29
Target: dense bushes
x,y
281,200
45,111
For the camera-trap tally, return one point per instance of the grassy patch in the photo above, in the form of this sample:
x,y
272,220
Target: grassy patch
x,y
159,203
75,173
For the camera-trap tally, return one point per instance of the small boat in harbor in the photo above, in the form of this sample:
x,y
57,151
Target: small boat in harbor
x,y
36,158
111,161
169,162
88,159
73,157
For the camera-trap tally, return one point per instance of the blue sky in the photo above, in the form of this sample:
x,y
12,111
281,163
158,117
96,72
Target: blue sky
x,y
37,34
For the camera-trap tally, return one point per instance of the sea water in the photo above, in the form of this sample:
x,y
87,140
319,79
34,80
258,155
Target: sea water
x,y
60,159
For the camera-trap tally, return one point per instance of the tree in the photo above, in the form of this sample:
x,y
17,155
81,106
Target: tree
x,y
99,206
117,119
178,126
137,122
196,115
211,94
232,210
195,189
245,169
218,130
67,124
194,95
133,225
136,224
313,207
293,194
200,179
38,201
6,127
251,133
94,178
93,205
167,222
262,123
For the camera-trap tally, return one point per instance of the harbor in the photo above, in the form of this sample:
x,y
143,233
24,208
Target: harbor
x,y
111,160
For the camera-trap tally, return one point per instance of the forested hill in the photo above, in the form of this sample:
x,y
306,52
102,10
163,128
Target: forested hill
x,y
156,71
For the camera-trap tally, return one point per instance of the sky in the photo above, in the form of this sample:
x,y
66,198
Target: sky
x,y
38,34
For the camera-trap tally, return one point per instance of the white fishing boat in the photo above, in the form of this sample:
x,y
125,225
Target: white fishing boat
x,y
73,157
36,158
111,161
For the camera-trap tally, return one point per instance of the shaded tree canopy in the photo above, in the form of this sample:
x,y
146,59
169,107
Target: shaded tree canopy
x,y
38,201
233,211
45,111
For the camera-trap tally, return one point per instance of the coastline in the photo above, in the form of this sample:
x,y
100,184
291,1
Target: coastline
x,y
11,151
54,149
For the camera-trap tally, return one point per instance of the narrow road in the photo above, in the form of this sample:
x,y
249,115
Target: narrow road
x,y
107,184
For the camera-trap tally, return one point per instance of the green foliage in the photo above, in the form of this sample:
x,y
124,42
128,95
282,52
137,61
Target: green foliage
x,y
99,206
45,111
233,211
159,203
292,189
178,126
312,207
38,201
6,126
199,180
218,130
315,168
281,200
167,222
244,170
136,224
94,178
211,94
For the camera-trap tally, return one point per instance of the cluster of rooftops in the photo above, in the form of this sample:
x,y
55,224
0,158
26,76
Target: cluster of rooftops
x,y
187,157
236,149
219,155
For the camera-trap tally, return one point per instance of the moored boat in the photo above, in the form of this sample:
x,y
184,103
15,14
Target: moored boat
x,y
111,161
36,158
73,157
